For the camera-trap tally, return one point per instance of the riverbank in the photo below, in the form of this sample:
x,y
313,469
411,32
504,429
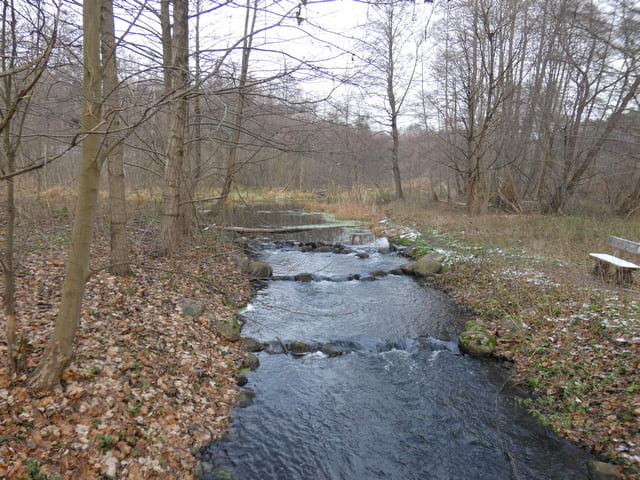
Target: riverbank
x,y
151,382
574,340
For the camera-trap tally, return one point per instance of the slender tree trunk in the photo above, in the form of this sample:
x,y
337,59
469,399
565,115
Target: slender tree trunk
x,y
114,147
8,268
172,226
59,351
7,263
395,135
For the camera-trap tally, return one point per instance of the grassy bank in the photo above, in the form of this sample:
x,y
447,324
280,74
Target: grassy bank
x,y
574,340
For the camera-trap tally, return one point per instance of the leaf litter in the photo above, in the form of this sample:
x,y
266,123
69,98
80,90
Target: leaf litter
x,y
148,387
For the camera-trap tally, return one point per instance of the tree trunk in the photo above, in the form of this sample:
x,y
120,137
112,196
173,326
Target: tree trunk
x,y
395,135
7,264
114,147
172,225
59,351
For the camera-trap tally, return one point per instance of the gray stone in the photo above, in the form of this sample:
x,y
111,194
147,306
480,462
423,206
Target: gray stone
x,y
604,471
229,327
407,268
477,342
192,308
251,362
299,348
362,255
260,270
245,398
303,277
428,265
252,345
201,437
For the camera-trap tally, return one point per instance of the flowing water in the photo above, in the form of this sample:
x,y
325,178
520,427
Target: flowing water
x,y
400,402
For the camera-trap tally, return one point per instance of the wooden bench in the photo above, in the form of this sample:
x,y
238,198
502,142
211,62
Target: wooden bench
x,y
612,268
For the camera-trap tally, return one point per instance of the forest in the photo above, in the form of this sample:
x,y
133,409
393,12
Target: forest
x,y
492,106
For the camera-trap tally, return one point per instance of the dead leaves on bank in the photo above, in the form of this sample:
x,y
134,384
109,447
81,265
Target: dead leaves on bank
x,y
148,386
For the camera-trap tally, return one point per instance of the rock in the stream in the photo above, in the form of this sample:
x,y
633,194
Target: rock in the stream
x,y
429,264
303,277
201,436
253,345
245,398
251,362
299,348
260,270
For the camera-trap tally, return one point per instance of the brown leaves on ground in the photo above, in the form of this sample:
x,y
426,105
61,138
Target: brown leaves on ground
x,y
148,386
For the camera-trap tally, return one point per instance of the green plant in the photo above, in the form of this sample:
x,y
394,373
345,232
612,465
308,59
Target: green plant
x,y
106,442
33,470
59,211
95,370
134,367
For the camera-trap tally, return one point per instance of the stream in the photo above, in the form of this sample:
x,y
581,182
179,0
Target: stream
x,y
383,391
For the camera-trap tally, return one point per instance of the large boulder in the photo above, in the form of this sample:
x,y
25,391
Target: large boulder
x,y
426,266
604,471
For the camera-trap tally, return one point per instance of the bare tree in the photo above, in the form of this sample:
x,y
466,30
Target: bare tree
x,y
392,46
59,351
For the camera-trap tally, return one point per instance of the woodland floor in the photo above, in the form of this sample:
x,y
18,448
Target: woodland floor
x,y
149,385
